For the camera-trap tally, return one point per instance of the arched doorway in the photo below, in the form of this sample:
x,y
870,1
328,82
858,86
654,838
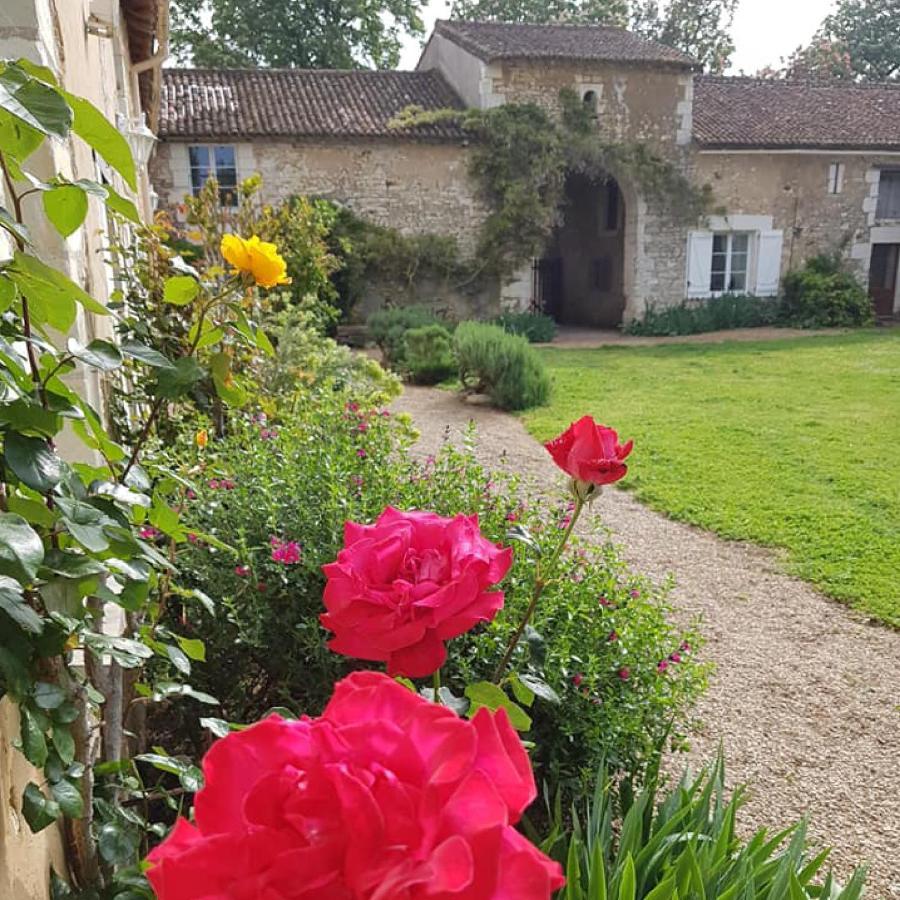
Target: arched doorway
x,y
580,280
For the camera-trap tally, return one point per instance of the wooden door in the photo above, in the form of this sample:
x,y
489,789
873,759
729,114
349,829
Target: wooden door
x,y
883,277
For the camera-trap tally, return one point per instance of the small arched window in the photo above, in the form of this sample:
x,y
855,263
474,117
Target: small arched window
x,y
589,99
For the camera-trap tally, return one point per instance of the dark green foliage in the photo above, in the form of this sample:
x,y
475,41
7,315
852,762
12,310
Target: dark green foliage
x,y
714,314
824,295
685,844
538,328
388,328
252,33
502,365
265,646
429,354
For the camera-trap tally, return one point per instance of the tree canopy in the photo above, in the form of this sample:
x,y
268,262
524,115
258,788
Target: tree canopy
x,y
859,41
332,34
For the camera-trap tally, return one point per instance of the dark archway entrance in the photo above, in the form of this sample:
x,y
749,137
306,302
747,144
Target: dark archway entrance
x,y
580,278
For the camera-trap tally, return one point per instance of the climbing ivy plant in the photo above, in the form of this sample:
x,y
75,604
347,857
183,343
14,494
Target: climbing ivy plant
x,y
520,159
78,539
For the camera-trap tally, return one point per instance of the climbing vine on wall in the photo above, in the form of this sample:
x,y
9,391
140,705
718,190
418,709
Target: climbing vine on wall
x,y
520,159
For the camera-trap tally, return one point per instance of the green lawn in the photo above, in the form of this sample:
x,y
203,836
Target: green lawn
x,y
790,443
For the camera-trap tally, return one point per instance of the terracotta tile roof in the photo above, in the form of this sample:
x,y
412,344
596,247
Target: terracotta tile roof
x,y
505,40
231,103
767,113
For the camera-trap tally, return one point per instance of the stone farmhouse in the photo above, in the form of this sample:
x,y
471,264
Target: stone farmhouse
x,y
796,168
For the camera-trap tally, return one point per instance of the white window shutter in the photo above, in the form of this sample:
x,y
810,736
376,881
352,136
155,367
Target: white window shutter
x,y
699,268
768,266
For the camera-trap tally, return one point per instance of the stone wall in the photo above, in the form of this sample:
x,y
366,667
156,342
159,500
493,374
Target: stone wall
x,y
792,187
412,186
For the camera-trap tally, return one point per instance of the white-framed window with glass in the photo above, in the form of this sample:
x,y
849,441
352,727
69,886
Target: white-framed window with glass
x,y
730,262
888,195
218,161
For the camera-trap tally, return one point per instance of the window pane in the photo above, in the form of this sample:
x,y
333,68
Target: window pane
x,y
739,262
719,262
224,158
739,243
199,161
720,243
889,195
738,281
717,281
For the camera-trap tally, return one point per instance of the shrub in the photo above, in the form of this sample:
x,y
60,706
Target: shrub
x,y
429,354
389,327
538,328
332,461
501,365
713,314
823,295
686,844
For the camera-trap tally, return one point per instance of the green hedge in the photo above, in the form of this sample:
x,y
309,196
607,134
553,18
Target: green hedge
x,y
429,354
538,328
823,295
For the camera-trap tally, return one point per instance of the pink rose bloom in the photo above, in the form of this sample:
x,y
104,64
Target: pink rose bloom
x,y
590,453
286,552
662,665
624,673
148,533
242,571
384,797
406,584
577,679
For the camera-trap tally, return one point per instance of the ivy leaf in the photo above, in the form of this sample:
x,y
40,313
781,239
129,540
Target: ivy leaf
x,y
179,290
39,811
98,133
34,744
21,550
33,461
491,696
101,355
48,696
85,523
118,844
64,743
69,798
147,355
13,603
66,206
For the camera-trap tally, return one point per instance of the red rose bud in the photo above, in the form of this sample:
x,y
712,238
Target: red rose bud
x,y
591,454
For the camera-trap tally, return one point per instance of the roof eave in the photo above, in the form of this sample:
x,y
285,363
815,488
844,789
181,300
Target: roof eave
x,y
720,146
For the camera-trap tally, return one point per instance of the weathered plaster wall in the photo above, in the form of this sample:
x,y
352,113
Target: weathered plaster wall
x,y
414,187
793,189
466,73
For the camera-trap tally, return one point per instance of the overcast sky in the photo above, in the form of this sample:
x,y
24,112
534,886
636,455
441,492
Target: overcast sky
x,y
764,30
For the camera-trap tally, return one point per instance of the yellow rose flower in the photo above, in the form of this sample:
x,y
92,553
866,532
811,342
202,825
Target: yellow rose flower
x,y
256,258
202,438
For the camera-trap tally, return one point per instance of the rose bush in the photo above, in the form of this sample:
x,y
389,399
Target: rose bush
x,y
406,584
386,796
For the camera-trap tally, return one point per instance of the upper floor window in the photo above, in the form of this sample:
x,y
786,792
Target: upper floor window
x,y
590,103
835,178
889,194
218,162
730,262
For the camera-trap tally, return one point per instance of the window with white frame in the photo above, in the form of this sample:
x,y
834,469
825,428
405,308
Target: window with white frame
x,y
730,262
207,161
888,194
835,178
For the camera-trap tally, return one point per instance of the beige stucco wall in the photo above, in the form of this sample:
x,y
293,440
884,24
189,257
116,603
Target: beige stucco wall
x,y
52,32
792,187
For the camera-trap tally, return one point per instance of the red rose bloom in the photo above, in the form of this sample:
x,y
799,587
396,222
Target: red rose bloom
x,y
590,453
384,797
406,584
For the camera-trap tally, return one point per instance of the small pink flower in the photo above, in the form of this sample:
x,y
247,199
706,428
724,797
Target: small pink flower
x,y
675,657
268,434
148,533
564,522
604,602
363,426
356,480
624,673
635,595
578,577
511,517
662,665
261,587
352,407
285,552
385,414
191,495
259,418
228,484
192,537
361,453
242,571
613,636
577,679
685,647
214,484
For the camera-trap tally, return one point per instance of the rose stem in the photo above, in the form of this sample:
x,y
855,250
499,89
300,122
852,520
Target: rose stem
x,y
436,681
539,584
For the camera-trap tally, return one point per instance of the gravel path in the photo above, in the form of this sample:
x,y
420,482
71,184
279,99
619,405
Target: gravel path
x,y
805,695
